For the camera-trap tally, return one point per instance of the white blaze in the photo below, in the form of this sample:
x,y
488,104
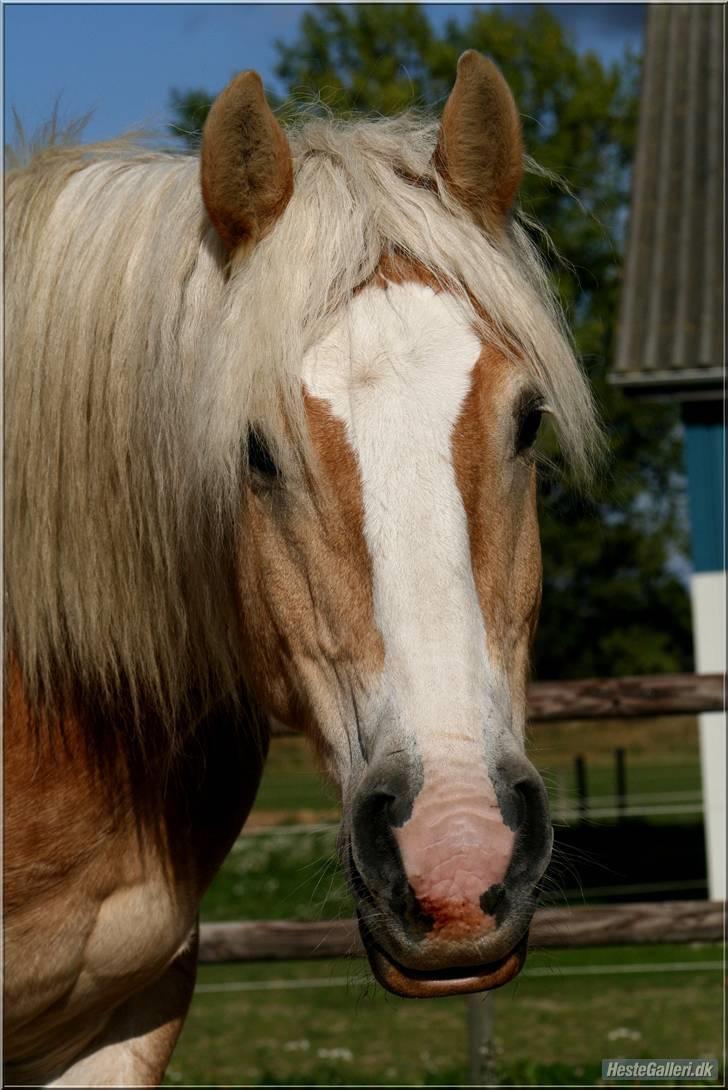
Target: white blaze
x,y
396,371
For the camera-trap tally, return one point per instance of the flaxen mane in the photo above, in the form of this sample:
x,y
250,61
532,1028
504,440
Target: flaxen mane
x,y
137,357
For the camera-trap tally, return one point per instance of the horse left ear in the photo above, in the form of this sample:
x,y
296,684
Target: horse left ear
x,y
245,163
480,149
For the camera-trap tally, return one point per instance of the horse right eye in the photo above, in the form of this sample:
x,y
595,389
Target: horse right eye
x,y
528,427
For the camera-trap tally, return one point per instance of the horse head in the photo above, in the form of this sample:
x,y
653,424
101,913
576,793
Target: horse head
x,y
388,560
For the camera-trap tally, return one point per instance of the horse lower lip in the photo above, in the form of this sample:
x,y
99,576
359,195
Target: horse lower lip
x,y
419,984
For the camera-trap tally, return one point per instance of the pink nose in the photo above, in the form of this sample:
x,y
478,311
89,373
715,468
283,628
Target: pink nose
x,y
455,848
448,858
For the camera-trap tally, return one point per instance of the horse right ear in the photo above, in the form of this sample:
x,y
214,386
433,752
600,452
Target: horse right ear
x,y
479,153
246,166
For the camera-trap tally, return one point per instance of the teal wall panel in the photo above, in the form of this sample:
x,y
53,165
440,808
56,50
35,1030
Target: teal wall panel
x,y
705,462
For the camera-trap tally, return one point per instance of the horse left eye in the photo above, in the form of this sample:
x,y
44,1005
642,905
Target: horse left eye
x,y
260,459
528,426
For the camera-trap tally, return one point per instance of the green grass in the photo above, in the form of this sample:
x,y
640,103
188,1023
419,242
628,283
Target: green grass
x,y
280,875
662,756
548,1029
292,781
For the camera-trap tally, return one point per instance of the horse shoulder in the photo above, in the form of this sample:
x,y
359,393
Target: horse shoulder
x,y
104,871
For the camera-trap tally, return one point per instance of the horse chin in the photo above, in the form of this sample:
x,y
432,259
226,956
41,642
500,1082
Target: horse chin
x,y
437,983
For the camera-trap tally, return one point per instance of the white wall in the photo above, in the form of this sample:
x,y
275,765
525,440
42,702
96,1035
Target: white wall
x,y
708,594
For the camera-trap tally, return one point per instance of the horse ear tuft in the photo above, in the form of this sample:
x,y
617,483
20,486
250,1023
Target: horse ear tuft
x,y
480,149
245,163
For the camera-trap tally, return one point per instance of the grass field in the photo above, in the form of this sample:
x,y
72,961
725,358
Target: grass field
x,y
551,1028
326,1023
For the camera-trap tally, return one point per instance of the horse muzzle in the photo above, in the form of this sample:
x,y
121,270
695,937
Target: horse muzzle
x,y
446,885
436,983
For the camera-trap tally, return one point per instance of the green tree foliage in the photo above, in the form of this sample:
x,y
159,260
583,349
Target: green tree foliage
x,y
189,110
612,603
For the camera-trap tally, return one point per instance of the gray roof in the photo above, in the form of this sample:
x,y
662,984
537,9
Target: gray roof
x,y
670,337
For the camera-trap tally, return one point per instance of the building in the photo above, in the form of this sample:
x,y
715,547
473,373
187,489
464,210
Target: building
x,y
671,338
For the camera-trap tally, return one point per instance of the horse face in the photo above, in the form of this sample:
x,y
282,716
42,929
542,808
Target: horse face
x,y
396,595
389,594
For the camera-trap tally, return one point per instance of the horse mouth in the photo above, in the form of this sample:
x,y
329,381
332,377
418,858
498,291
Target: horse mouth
x,y
437,983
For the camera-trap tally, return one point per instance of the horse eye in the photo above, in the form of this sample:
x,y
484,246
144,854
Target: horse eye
x,y
260,459
528,425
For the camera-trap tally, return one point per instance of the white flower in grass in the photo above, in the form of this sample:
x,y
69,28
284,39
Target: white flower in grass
x,y
335,1054
622,1033
297,1046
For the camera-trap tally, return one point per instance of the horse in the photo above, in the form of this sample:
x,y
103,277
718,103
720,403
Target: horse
x,y
270,424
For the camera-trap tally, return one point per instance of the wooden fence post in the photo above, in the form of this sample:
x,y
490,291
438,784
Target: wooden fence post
x,y
481,1044
561,801
620,776
582,791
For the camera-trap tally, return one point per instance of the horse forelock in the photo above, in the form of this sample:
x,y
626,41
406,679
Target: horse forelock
x,y
138,357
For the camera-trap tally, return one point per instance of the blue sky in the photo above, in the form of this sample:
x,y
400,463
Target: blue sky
x,y
122,59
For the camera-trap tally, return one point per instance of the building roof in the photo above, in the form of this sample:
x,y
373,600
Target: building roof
x,y
670,337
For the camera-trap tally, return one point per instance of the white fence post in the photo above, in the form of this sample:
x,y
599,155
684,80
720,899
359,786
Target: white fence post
x,y
708,590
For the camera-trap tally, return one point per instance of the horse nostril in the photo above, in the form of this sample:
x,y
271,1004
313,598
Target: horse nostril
x,y
378,807
375,851
528,816
527,799
519,805
522,797
493,898
534,792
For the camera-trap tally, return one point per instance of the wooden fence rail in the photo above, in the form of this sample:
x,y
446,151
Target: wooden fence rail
x,y
617,698
622,924
626,697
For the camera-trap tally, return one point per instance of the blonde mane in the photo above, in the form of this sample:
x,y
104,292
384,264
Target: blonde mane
x,y
137,358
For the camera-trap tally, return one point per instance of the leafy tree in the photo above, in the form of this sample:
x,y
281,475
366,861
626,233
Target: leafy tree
x,y
189,108
612,603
